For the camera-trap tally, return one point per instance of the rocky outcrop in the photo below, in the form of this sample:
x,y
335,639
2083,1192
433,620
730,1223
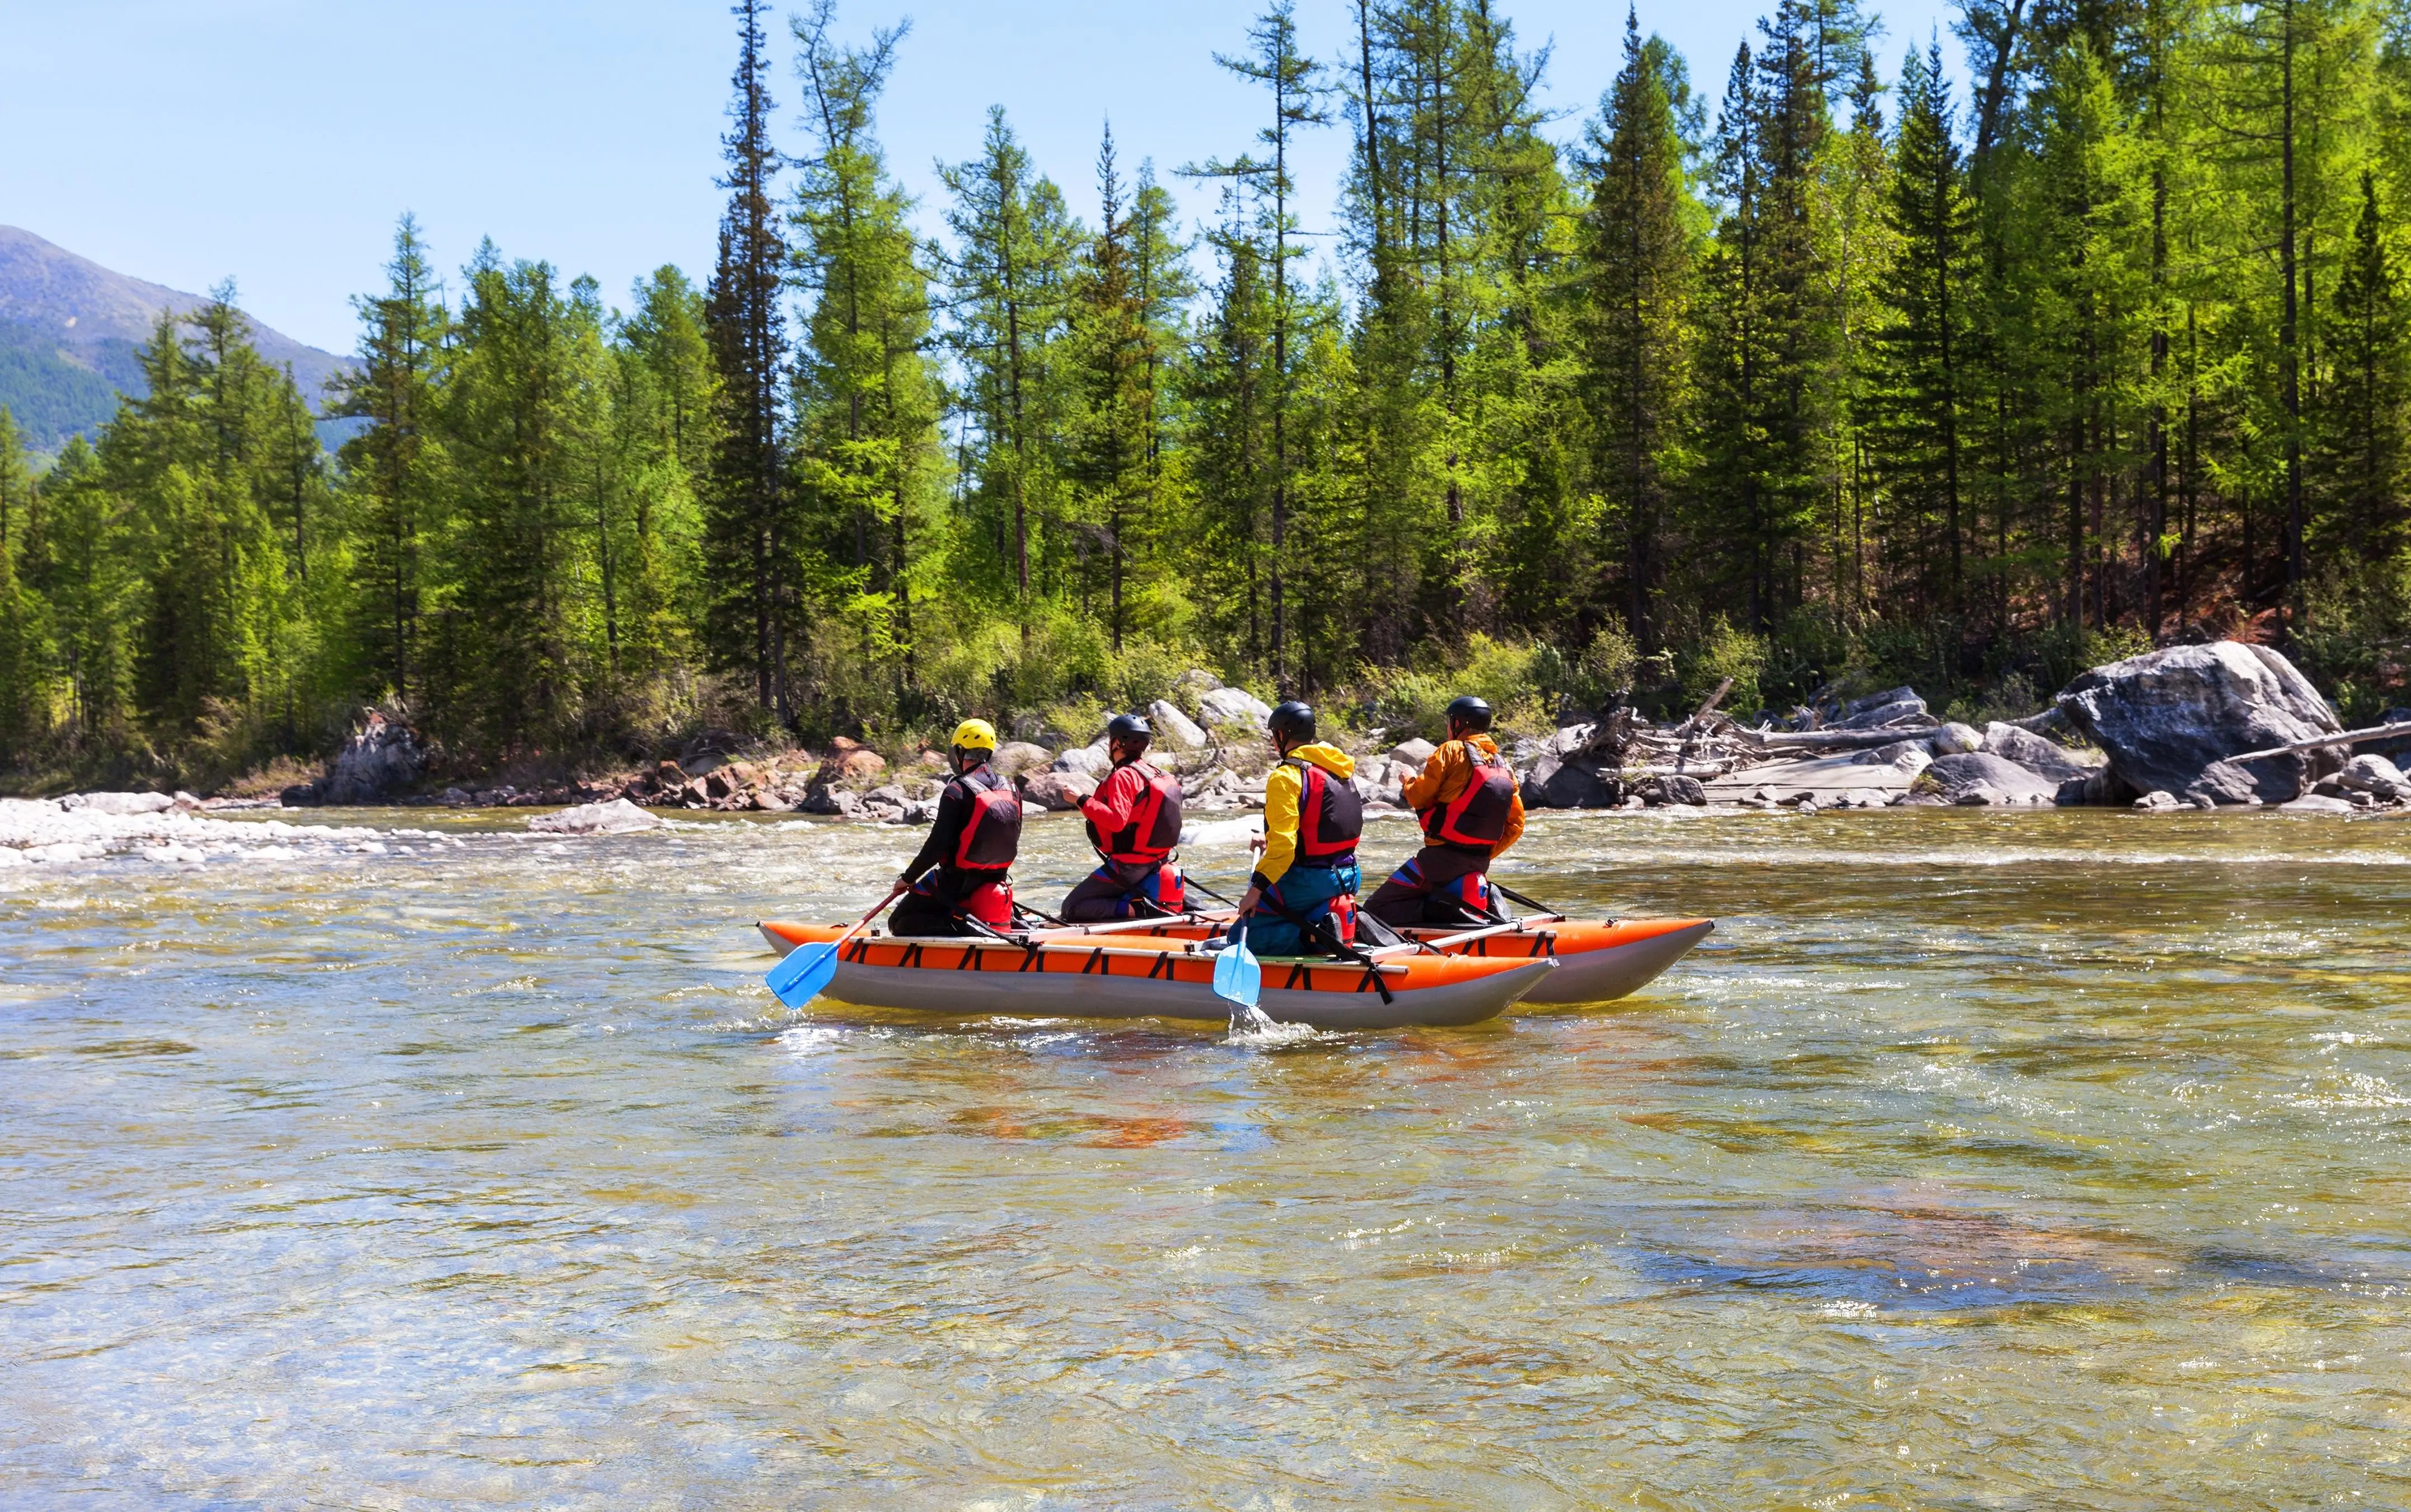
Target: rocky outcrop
x,y
1233,706
1981,779
2170,719
1174,730
1090,761
2032,752
380,761
1016,757
1882,711
1954,739
1907,757
1058,791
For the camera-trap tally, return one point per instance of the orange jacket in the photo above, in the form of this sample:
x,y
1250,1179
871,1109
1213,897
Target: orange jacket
x,y
1446,772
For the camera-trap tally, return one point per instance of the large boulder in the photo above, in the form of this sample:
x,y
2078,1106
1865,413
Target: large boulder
x,y
2170,719
1019,756
379,760
1058,791
1677,789
1174,730
2376,776
1907,756
1233,706
1980,776
1570,784
1087,760
2032,752
1894,706
1954,739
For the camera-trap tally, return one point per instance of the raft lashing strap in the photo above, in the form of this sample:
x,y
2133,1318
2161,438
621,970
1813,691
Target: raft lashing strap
x,y
1163,967
1096,962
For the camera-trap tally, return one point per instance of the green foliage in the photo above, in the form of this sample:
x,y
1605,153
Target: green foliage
x,y
1972,397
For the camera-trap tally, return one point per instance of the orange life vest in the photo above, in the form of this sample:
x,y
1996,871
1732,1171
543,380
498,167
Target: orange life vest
x,y
1476,818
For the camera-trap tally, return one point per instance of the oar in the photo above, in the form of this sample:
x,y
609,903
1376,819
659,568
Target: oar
x,y
801,975
1239,979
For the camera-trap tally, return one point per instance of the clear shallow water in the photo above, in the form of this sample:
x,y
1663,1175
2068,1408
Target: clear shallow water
x,y
1980,1160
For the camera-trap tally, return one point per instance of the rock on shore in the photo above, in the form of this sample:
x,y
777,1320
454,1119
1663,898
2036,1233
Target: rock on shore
x,y
2171,719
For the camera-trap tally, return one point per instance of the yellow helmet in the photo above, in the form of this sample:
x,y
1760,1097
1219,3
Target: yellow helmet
x,y
975,735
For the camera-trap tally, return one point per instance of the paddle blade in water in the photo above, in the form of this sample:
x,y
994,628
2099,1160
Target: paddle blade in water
x,y
800,976
1237,978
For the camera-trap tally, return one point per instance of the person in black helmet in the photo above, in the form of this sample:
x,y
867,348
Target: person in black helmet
x,y
1134,822
1472,812
1302,898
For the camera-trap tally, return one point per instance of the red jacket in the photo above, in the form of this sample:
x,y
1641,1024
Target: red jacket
x,y
1110,806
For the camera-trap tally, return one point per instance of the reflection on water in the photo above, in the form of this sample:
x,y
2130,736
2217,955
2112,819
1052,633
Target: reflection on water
x,y
1978,1160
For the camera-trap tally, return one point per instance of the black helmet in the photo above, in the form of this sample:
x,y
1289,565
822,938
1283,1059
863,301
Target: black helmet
x,y
1129,728
1470,711
1294,720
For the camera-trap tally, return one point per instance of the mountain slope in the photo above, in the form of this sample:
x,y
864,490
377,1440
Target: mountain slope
x,y
69,330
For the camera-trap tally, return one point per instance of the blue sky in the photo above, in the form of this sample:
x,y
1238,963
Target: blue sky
x,y
276,141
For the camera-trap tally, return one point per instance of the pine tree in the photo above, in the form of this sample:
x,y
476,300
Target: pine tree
x,y
392,467
2361,459
1297,90
1638,270
1922,347
22,658
522,418
1116,430
752,537
664,411
1010,274
866,395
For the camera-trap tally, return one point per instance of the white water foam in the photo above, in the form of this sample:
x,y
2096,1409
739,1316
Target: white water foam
x,y
1252,1026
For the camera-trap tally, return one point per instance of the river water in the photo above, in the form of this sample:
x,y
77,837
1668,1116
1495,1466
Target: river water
x,y
1978,1160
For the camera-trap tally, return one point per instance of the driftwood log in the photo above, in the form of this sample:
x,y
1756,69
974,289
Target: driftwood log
x,y
2350,737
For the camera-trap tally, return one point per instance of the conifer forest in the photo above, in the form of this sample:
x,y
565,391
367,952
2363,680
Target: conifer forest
x,y
1969,363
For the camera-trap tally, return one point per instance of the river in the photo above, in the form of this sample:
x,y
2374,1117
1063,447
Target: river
x,y
1979,1159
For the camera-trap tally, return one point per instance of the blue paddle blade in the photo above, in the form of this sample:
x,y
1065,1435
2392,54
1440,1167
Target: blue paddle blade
x,y
1237,978
807,969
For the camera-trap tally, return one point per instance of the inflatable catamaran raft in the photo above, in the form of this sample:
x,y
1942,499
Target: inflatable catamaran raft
x,y
1160,968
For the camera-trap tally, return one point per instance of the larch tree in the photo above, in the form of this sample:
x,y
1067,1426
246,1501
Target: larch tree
x,y
392,468
752,537
1637,262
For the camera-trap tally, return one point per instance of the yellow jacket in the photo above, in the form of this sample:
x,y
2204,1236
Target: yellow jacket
x,y
1446,773
1283,790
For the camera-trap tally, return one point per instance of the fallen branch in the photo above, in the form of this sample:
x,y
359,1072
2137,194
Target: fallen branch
x,y
2350,737
1843,740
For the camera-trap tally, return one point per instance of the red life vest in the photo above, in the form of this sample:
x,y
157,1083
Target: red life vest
x,y
1330,816
1476,818
993,835
1154,821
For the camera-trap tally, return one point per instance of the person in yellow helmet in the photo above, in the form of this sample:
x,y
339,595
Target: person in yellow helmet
x,y
1302,898
961,874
